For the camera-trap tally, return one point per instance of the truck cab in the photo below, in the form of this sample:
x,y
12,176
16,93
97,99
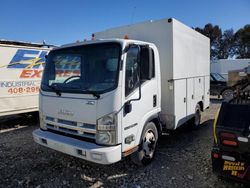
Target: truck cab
x,y
99,100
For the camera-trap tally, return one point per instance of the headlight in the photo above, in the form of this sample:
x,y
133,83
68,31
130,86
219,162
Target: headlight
x,y
42,123
106,130
104,137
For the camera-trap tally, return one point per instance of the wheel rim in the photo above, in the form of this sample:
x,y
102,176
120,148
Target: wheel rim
x,y
148,144
227,94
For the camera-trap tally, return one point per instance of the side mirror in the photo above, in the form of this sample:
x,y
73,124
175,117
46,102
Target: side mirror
x,y
146,63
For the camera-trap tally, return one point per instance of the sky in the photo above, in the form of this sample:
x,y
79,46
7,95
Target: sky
x,y
66,21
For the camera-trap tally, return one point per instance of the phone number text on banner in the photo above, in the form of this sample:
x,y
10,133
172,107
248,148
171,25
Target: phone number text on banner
x,y
19,87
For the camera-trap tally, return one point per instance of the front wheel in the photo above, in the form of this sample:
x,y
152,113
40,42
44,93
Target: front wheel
x,y
145,154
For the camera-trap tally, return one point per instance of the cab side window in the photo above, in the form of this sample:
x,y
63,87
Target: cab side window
x,y
132,71
153,59
147,64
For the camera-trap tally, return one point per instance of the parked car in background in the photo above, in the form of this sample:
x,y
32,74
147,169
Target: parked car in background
x,y
218,86
223,66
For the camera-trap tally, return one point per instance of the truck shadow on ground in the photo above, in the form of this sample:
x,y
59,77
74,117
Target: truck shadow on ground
x,y
13,122
186,136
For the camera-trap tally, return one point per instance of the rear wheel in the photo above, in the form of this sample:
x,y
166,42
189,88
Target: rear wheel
x,y
145,154
227,94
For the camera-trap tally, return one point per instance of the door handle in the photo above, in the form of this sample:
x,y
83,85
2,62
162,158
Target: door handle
x,y
127,108
154,100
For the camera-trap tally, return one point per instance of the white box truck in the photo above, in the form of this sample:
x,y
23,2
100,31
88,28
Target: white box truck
x,y
111,97
21,66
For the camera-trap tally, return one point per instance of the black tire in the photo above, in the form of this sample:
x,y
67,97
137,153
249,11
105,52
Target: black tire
x,y
146,151
196,120
227,94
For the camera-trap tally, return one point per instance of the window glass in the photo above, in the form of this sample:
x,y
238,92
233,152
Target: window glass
x,y
218,77
132,71
66,66
153,58
211,78
83,68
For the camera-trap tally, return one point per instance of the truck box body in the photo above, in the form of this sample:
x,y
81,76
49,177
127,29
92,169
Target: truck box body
x,y
184,63
21,66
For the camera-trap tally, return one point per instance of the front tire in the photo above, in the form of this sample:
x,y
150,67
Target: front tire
x,y
146,151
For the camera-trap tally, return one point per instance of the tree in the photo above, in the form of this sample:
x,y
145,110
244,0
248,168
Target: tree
x,y
226,46
215,35
242,42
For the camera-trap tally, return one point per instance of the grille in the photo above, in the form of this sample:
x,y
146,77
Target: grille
x,y
71,127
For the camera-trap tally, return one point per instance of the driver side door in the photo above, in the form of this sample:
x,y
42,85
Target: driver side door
x,y
140,107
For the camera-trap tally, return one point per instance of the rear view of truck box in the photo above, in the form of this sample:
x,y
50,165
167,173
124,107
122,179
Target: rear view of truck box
x,y
184,63
21,66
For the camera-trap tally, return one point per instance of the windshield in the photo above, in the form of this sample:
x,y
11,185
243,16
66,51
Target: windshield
x,y
83,69
218,77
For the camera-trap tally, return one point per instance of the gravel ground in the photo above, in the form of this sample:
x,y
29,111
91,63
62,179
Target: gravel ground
x,y
182,160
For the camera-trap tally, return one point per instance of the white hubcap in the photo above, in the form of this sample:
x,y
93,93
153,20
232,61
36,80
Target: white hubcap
x,y
149,144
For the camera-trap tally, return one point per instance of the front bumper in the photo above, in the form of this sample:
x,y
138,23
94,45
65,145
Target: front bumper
x,y
231,166
81,149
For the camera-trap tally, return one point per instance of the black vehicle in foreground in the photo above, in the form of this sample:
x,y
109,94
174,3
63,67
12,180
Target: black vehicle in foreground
x,y
231,150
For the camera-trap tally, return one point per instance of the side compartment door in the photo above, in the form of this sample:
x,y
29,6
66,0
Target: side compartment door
x,y
190,98
206,92
199,89
180,91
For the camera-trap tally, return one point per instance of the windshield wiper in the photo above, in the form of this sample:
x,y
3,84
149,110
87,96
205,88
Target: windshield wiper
x,y
95,94
57,91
